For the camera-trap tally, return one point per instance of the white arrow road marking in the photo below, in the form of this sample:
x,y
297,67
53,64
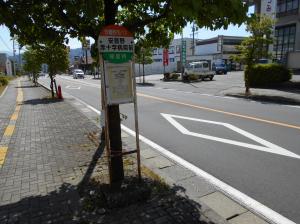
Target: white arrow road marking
x,y
73,87
268,146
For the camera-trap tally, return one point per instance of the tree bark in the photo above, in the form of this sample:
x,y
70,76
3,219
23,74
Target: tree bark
x,y
51,85
114,122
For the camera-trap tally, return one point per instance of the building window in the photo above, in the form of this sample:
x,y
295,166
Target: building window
x,y
178,47
157,60
154,52
172,60
284,41
171,50
159,51
287,7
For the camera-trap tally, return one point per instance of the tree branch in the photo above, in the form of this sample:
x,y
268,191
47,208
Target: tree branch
x,y
141,23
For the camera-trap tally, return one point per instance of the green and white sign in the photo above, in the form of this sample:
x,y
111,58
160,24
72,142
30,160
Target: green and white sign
x,y
183,52
116,44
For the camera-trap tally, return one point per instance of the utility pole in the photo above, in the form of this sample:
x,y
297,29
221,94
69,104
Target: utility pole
x,y
193,30
20,59
14,54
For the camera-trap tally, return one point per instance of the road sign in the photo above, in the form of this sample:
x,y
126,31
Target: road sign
x,y
165,57
263,144
183,52
86,44
118,78
116,44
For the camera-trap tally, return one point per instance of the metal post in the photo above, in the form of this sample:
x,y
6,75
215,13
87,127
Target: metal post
x,y
137,134
181,56
106,128
14,54
193,49
86,61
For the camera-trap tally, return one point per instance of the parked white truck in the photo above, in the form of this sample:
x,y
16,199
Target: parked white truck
x,y
200,69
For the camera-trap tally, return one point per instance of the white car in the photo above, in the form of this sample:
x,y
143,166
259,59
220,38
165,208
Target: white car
x,y
78,74
199,68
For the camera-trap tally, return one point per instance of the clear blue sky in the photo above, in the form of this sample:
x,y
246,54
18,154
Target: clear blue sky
x,y
6,43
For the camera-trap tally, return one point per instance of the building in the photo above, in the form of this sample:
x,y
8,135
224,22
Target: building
x,y
3,59
9,67
287,27
174,58
220,48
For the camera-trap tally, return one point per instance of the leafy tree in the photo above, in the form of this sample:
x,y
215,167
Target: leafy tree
x,y
143,55
157,21
32,63
55,55
255,47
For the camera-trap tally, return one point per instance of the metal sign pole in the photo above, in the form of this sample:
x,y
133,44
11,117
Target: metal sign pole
x,y
137,133
106,127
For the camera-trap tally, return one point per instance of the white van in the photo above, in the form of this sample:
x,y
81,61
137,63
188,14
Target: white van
x,y
200,68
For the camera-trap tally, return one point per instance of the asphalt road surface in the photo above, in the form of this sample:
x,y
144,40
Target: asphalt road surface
x,y
253,147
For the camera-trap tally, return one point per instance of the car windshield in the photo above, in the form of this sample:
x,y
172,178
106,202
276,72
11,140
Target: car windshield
x,y
78,71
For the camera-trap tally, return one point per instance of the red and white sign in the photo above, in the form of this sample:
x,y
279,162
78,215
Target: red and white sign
x,y
114,38
166,57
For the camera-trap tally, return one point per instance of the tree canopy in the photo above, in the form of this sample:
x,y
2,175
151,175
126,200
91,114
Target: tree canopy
x,y
255,47
32,63
40,21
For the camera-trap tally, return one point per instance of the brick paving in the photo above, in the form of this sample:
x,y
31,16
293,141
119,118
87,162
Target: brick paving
x,y
50,154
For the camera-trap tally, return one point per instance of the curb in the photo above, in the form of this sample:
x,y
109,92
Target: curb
x,y
215,205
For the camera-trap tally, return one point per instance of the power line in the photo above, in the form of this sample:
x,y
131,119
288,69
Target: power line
x,y
5,44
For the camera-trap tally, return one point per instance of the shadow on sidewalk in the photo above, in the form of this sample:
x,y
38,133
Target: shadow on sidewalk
x,y
146,84
92,201
268,99
41,101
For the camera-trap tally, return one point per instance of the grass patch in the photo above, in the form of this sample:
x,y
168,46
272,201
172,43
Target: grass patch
x,y
2,89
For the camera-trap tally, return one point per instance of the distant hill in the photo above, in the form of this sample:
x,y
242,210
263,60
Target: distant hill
x,y
73,52
76,52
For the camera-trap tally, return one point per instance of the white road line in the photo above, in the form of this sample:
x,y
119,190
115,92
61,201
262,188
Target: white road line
x,y
2,94
267,146
251,204
298,107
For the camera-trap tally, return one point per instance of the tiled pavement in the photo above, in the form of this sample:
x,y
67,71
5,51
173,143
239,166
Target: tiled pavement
x,y
46,159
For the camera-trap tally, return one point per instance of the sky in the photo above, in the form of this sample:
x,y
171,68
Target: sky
x,y
6,44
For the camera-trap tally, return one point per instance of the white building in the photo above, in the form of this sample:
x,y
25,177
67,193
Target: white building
x,y
219,48
174,58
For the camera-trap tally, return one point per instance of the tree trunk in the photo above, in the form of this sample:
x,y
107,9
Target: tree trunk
x,y
114,122
51,85
143,69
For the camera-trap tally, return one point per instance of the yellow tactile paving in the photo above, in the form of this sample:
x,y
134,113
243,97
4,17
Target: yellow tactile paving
x,y
3,151
14,116
18,107
9,130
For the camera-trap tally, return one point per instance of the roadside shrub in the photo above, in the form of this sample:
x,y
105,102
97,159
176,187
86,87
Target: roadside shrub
x,y
264,75
167,76
3,81
170,76
174,76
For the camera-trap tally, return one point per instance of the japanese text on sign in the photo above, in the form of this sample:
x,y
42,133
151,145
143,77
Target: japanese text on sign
x,y
116,44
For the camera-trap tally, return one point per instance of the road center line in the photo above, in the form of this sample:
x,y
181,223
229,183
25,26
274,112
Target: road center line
x,y
204,108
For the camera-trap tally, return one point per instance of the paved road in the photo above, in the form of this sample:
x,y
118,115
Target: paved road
x,y
251,146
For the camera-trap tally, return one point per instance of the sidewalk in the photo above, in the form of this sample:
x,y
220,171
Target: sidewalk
x,y
54,170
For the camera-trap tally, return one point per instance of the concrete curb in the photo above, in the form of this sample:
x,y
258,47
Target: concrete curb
x,y
215,206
